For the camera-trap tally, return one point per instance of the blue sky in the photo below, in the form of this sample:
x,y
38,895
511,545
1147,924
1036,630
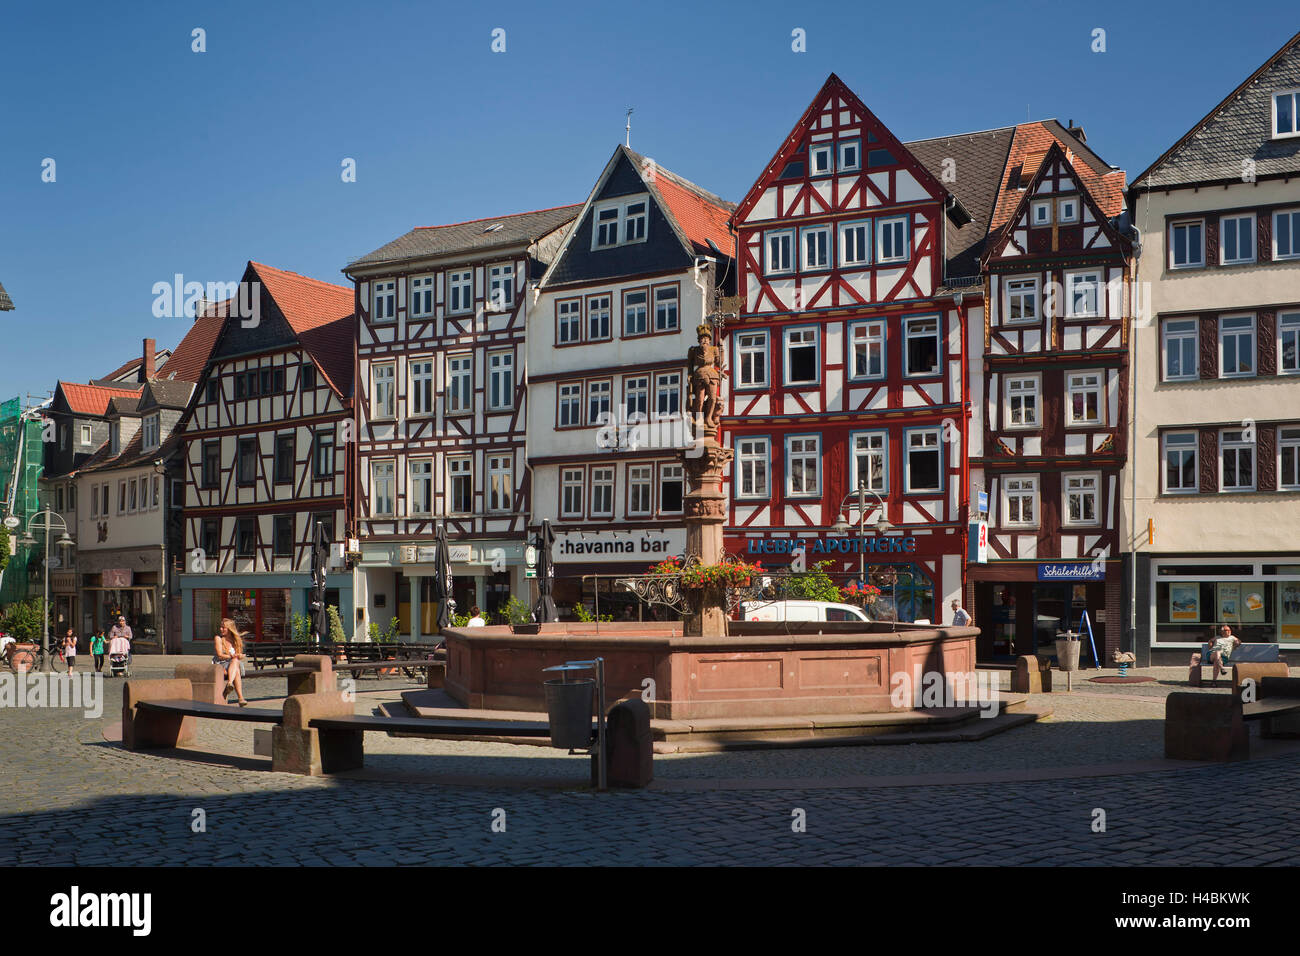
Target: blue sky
x,y
170,161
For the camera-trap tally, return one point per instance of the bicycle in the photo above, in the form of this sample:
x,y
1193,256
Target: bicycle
x,y
25,658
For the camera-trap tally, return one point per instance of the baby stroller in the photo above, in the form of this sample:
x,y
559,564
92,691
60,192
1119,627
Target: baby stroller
x,y
119,665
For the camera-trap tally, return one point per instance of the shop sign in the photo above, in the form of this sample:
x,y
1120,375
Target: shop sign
x,y
878,544
636,546
1072,571
979,542
64,582
115,578
427,554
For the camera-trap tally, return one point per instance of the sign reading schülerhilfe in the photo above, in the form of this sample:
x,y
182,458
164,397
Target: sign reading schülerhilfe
x,y
1072,571
881,544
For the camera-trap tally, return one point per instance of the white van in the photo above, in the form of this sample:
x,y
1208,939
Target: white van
x,y
800,611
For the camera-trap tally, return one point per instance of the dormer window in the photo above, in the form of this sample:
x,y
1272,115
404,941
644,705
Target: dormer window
x,y
115,439
618,222
151,436
1286,114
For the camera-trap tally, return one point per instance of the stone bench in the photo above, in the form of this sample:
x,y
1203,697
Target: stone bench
x,y
162,713
310,674
1244,654
1033,675
1213,726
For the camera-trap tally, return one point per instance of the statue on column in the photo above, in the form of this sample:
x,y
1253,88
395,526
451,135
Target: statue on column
x,y
706,380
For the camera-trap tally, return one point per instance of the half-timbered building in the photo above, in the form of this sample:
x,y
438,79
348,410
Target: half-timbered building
x,y
618,310
1053,396
266,457
848,363
442,409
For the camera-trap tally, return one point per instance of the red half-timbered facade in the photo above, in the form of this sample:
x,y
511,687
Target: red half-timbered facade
x,y
1054,396
442,411
266,456
847,366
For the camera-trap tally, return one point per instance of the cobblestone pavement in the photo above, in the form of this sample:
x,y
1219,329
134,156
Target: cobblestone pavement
x,y
71,797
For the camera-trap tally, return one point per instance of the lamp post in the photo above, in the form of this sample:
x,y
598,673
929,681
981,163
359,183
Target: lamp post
x,y
882,523
28,540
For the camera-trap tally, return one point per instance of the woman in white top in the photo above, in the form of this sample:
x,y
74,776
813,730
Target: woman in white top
x,y
476,618
229,653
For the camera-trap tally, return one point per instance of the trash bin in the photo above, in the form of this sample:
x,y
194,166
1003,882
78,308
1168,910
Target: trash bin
x,y
569,707
1068,646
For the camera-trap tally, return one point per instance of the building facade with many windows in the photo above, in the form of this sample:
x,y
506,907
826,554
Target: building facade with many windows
x,y
618,310
441,412
1215,500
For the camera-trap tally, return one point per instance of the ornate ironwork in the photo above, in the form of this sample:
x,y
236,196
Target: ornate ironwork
x,y
665,589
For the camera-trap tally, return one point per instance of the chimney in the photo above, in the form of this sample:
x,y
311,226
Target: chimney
x,y
147,370
1077,132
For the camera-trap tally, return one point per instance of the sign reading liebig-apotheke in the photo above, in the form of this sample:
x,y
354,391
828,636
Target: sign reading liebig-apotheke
x,y
880,544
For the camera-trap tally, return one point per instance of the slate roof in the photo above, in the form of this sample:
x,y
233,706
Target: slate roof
x,y
93,399
130,456
166,393
1239,128
6,303
132,369
475,236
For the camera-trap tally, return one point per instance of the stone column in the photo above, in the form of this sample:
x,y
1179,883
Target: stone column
x,y
705,514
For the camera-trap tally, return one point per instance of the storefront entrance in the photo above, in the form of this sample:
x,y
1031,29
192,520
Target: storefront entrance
x,y
1023,617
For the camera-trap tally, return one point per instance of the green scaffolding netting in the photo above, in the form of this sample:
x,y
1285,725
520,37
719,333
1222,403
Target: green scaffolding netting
x,y
21,457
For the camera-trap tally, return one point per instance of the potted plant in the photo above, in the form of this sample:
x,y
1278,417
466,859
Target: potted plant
x,y
864,595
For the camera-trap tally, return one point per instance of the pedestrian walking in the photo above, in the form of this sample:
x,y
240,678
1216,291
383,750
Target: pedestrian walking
x,y
123,630
97,644
70,650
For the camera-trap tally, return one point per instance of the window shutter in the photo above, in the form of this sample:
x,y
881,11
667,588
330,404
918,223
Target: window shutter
x,y
1208,460
1211,241
1264,237
1266,341
1209,346
1265,458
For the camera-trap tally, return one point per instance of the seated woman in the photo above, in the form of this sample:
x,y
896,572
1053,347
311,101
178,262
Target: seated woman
x,y
229,653
1222,649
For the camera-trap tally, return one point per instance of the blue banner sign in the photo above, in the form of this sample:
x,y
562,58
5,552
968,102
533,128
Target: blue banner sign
x,y
1072,571
881,544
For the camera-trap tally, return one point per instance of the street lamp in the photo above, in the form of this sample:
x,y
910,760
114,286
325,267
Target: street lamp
x,y
842,526
28,540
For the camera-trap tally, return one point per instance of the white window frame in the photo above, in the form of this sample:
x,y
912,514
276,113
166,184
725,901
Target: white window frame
x,y
87,435
1079,383
603,486
460,468
568,404
383,473
820,236
1238,334
868,334
600,392
809,450
1293,234
864,247
671,473
1294,96
1011,391
925,448
1288,328
667,384
568,319
1036,207
423,288
623,223
909,333
1093,488
383,301
600,307
1019,488
636,386
500,483
1075,281
502,277
874,445
1288,437
843,165
572,480
885,228
817,150
460,291
501,366
460,369
1024,291
1237,445
1250,243
640,484
786,247
421,378
815,342
420,472
150,437
640,310
748,345
1180,445
1187,329
383,391
1199,261
753,467
667,306
1067,218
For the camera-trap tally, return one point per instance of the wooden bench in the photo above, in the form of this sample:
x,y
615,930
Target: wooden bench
x,y
1202,726
1268,655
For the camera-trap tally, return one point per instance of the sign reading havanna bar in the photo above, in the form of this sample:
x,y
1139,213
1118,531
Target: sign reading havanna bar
x,y
877,544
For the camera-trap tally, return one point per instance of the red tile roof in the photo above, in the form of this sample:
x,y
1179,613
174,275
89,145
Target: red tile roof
x,y
1030,144
701,219
93,399
321,314
188,359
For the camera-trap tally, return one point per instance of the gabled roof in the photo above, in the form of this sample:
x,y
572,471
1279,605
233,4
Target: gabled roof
x,y
477,236
164,393
321,315
131,456
130,371
1239,128
124,405
190,357
92,399
6,303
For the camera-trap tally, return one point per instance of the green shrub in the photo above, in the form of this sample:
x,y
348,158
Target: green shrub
x,y
813,585
300,629
23,621
516,612
586,617
337,634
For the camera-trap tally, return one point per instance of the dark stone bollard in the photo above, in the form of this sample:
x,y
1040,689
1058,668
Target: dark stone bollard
x,y
1205,727
628,744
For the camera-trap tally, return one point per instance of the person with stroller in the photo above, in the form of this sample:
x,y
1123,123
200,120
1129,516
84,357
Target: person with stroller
x,y
229,653
97,644
119,656
122,629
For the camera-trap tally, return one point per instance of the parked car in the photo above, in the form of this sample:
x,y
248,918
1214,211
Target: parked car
x,y
800,611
